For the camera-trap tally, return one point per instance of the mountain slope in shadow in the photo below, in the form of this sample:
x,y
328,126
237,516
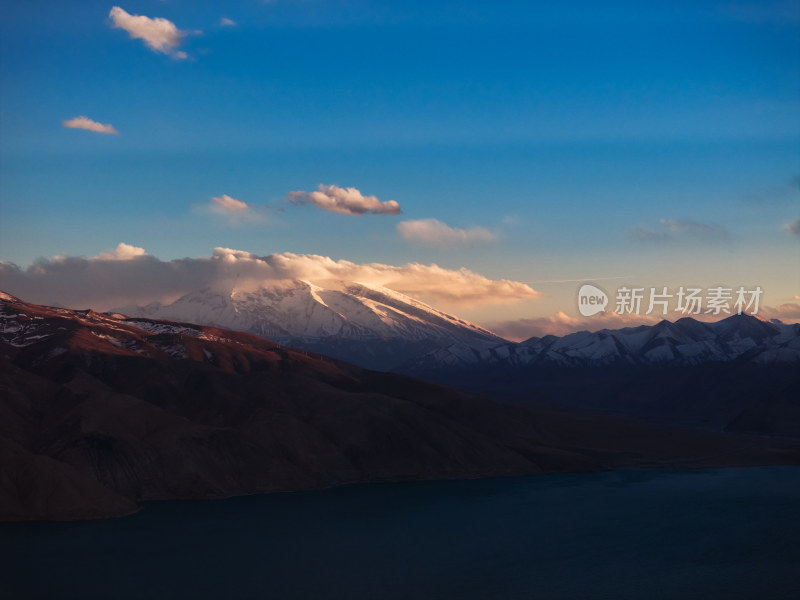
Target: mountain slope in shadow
x,y
100,412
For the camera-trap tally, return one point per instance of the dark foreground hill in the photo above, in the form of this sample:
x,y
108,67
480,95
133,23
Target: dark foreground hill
x,y
99,412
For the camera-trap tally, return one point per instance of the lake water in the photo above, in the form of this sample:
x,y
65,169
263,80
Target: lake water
x,y
717,533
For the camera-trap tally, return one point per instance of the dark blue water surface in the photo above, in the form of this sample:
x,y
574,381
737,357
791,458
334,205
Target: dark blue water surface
x,y
718,533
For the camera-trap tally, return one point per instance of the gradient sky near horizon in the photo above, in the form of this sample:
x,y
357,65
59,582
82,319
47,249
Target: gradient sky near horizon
x,y
655,143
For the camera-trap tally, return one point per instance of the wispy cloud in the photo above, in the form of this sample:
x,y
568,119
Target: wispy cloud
x,y
160,35
433,232
225,204
584,279
345,201
89,125
792,227
562,324
115,279
680,229
226,22
518,330
786,191
233,210
788,312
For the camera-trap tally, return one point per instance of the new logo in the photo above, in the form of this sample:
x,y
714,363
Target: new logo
x,y
591,300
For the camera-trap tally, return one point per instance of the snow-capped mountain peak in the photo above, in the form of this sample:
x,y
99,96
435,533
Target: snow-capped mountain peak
x,y
367,324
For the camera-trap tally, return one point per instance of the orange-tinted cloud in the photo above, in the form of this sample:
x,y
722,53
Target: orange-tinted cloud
x,y
345,201
89,125
123,251
109,281
160,35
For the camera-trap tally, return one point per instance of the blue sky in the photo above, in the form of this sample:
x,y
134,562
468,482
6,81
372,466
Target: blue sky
x,y
568,131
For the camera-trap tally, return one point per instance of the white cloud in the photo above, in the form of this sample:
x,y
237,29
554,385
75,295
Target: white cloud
x,y
106,281
226,22
435,233
160,35
669,230
123,251
345,201
89,125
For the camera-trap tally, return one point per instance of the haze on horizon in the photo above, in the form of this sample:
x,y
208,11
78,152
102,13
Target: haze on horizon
x,y
537,145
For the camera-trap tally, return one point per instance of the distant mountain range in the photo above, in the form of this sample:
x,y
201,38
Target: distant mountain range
x,y
740,338
99,411
736,374
371,326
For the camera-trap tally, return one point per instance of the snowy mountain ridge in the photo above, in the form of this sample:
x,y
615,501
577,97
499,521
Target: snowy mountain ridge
x,y
683,342
382,329
366,324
